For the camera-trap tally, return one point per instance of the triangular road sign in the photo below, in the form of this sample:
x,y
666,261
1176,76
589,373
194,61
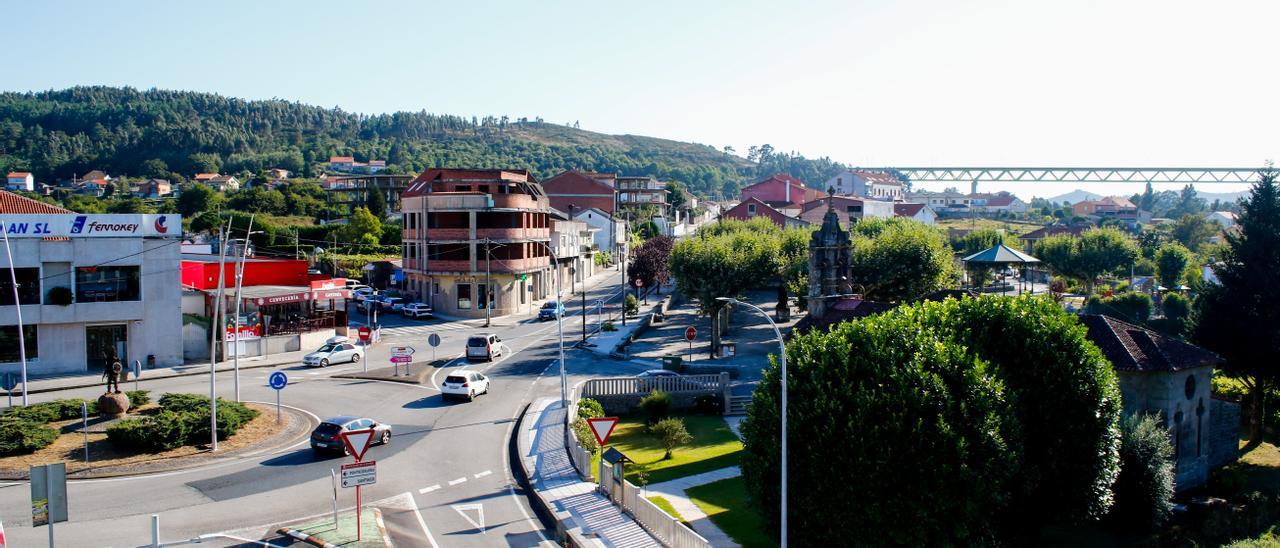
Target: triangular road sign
x,y
602,427
358,442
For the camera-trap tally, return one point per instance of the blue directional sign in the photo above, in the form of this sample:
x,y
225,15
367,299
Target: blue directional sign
x,y
9,381
278,380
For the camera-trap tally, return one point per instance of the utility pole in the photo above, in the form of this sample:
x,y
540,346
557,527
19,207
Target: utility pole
x,y
334,254
488,287
244,253
622,265
216,326
296,254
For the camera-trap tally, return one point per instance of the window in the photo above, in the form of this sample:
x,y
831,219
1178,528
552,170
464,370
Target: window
x,y
9,342
435,288
482,296
853,209
462,188
108,284
483,188
751,209
464,296
28,286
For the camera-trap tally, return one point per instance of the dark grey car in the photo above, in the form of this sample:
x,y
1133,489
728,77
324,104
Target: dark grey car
x,y
325,438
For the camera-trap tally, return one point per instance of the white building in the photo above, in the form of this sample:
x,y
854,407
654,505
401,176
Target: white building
x,y
91,287
918,212
21,180
866,184
610,233
1226,219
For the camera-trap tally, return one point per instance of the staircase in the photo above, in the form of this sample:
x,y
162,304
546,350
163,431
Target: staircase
x,y
738,405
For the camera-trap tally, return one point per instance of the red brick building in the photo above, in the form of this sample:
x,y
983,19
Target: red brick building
x,y
582,190
782,191
752,207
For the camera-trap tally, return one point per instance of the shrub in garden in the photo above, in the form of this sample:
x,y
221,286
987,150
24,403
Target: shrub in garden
x,y
589,408
1130,307
672,434
20,436
1144,489
632,307
154,433
138,398
582,431
707,404
608,327
38,413
231,417
1176,307
656,406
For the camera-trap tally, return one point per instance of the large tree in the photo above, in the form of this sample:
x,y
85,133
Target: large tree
x,y
900,259
1238,317
649,262
1172,261
196,199
1193,231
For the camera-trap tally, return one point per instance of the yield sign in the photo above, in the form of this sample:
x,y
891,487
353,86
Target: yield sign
x,y
602,427
358,442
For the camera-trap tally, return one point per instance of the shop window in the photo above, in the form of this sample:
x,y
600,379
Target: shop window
x,y
28,286
464,296
108,284
9,342
482,296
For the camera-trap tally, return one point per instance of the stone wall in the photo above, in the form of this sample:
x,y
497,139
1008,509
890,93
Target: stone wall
x,y
627,404
1224,432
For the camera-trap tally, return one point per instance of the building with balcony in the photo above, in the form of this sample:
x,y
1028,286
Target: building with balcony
x,y
349,193
477,242
866,184
637,192
90,287
782,192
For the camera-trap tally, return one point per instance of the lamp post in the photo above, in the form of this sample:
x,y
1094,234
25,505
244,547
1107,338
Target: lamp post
x,y
244,254
782,359
17,307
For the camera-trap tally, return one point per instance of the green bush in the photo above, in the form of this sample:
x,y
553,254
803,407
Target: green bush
x,y
1176,307
586,438
194,410
21,436
1130,307
631,305
671,434
138,398
159,432
1144,488
39,413
182,403
607,327
707,404
589,408
656,406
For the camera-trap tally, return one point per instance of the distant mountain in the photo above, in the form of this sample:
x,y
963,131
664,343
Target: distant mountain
x,y
1227,197
1075,196
175,134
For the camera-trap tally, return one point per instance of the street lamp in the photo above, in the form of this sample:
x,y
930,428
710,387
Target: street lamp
x,y
244,254
782,359
17,307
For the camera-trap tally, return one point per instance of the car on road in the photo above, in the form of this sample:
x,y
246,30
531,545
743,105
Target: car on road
x,y
464,384
484,346
551,310
361,293
416,310
392,304
665,379
372,301
657,373
335,350
327,436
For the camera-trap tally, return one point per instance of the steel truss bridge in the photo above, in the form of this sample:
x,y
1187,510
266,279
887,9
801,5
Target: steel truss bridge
x,y
1182,175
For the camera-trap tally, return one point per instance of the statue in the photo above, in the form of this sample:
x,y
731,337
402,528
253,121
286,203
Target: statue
x,y
112,375
113,404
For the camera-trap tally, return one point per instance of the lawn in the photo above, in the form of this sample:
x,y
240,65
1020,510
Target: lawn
x,y
725,502
714,446
666,506
1014,228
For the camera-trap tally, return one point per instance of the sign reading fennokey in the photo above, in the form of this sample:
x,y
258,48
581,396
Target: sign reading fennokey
x,y
360,473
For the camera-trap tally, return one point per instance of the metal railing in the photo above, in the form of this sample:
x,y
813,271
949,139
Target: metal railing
x,y
668,530
626,386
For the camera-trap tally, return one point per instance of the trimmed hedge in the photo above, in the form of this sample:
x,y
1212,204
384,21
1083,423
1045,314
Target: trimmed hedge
x,y
590,409
656,406
1144,489
183,420
57,410
138,398
159,432
21,436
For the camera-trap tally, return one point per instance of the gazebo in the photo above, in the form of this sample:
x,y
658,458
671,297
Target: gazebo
x,y
1000,255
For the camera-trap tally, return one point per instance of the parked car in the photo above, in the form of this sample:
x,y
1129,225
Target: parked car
x,y
392,304
464,384
657,373
416,310
656,379
484,347
362,293
326,437
370,301
335,350
354,284
551,310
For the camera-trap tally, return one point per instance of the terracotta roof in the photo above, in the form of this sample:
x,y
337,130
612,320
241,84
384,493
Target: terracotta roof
x,y
205,176
11,203
1118,201
341,159
377,162
879,177
1134,348
1001,201
777,177
907,210
95,174
18,174
1042,233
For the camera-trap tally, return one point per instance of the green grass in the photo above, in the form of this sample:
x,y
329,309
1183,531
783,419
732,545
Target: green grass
x,y
714,446
725,502
666,506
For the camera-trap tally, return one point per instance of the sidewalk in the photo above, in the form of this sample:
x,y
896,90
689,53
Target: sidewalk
x,y
674,492
36,385
573,502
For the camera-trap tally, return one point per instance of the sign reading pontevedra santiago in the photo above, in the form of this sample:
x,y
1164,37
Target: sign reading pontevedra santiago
x,y
73,225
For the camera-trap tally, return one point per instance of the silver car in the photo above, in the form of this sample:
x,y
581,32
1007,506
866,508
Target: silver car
x,y
484,346
333,352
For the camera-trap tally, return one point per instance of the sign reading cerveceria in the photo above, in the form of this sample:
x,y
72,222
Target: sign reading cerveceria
x,y
73,225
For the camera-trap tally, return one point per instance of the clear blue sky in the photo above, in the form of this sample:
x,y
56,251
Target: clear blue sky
x,y
868,83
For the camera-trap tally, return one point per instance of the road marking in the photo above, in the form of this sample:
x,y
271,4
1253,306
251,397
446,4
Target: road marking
x,y
426,490
483,474
457,481
423,522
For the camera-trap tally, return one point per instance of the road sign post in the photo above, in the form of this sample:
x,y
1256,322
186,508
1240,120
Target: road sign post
x,y
84,426
433,340
333,476
690,333
399,355
8,386
48,495
277,381
357,442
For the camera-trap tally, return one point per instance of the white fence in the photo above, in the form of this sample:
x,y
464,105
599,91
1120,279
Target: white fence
x,y
658,523
626,386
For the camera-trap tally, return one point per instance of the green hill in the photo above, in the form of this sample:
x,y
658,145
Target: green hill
x,y
174,134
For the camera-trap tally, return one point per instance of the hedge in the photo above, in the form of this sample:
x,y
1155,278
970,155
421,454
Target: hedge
x,y
20,436
1144,489
183,420
159,432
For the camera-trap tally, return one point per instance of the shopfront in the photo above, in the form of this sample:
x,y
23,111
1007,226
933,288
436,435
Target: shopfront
x,y
277,318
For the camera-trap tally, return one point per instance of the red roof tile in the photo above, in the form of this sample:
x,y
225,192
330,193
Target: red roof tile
x,y
11,203
18,174
907,210
341,159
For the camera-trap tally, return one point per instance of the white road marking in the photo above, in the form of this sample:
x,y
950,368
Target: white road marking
x,y
423,523
426,490
457,481
483,474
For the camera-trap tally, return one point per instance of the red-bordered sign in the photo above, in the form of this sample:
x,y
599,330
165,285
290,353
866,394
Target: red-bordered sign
x,y
365,333
357,442
690,333
602,427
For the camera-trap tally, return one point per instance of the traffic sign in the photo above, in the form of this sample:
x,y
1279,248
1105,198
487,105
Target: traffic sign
x,y
365,333
357,442
402,351
278,380
690,333
355,474
401,359
433,340
10,381
639,282
602,427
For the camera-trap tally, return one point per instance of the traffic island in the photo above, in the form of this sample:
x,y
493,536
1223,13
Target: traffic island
x,y
325,533
108,458
417,373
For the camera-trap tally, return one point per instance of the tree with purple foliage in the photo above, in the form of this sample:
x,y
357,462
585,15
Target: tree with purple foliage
x,y
649,261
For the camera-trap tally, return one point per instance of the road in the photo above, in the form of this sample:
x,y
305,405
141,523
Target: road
x,y
443,460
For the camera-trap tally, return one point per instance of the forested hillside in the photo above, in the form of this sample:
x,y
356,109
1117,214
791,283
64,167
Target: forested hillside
x,y
173,134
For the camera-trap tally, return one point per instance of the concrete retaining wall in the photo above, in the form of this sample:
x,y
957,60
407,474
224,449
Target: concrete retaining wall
x,y
1224,432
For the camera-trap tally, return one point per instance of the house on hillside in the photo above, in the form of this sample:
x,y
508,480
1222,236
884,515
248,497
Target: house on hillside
x,y
751,208
204,177
20,180
342,164
866,184
1226,219
782,192
1006,203
581,190
278,174
918,212
1030,239
846,208
1111,207
224,183
154,188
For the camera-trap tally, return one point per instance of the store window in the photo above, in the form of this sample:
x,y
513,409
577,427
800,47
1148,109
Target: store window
x,y
108,284
483,296
28,286
464,296
9,342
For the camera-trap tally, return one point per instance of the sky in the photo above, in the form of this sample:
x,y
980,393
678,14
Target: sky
x,y
867,83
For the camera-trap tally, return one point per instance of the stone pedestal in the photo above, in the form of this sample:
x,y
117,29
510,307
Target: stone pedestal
x,y
113,406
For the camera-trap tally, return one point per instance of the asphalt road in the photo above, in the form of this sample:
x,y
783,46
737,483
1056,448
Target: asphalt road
x,y
443,480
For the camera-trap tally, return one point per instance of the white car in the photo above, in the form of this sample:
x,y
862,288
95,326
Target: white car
x,y
362,293
464,384
416,310
335,350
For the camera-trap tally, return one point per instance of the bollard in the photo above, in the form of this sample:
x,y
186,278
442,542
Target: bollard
x,y
155,530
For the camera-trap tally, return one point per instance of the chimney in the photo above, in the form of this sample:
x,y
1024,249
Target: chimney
x,y
974,188
788,191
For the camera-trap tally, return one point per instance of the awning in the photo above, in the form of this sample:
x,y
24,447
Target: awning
x,y
266,295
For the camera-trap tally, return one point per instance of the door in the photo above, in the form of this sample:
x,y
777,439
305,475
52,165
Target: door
x,y
104,342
